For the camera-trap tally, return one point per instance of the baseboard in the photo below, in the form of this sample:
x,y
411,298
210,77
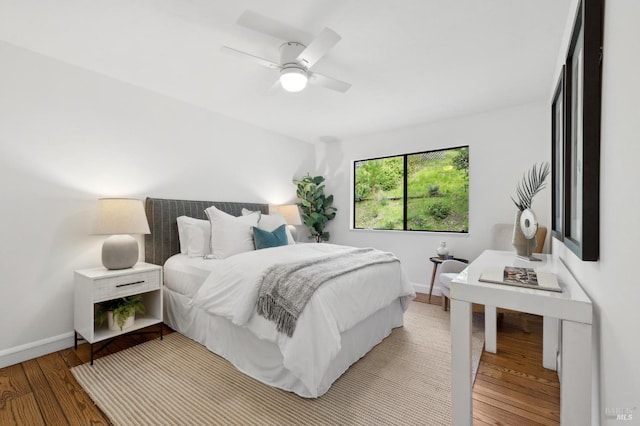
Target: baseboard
x,y
424,289
35,349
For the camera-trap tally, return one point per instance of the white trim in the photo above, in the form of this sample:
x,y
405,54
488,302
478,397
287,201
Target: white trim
x,y
420,287
424,288
407,232
35,349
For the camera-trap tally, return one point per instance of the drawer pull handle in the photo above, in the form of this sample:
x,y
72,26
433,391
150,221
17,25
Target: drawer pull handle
x,y
134,283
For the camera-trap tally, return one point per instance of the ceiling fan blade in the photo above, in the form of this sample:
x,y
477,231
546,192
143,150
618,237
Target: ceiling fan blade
x,y
318,47
328,82
264,62
265,25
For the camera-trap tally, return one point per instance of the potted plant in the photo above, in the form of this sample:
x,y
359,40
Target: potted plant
x,y
315,208
119,313
532,183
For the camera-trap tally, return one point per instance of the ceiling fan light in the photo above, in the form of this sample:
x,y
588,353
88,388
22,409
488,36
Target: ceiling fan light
x,y
293,79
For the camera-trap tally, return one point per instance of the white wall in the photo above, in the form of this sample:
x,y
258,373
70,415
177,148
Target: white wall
x,y
68,137
503,144
612,282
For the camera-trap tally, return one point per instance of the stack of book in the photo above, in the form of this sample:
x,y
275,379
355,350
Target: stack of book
x,y
521,277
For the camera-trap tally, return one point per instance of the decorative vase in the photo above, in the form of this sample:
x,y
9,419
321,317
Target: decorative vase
x,y
442,250
113,321
523,246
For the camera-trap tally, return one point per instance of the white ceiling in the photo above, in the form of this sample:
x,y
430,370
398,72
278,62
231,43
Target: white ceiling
x,y
410,61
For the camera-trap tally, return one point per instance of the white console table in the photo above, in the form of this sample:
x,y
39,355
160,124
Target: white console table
x,y
572,308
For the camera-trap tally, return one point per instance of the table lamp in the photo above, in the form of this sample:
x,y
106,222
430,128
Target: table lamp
x,y
119,218
291,215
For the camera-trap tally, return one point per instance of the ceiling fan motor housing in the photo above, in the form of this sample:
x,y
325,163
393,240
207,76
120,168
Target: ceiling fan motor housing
x,y
289,53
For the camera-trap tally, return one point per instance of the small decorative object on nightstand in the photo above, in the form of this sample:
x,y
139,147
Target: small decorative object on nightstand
x,y
442,250
97,285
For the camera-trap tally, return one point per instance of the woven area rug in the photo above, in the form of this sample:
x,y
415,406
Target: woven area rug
x,y
405,380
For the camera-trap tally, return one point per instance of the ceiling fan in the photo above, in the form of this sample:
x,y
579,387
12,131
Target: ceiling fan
x,y
296,58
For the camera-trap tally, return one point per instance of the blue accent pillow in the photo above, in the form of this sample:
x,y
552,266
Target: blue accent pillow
x,y
265,239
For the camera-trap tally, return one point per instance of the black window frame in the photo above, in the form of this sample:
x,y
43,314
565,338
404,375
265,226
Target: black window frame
x,y
405,192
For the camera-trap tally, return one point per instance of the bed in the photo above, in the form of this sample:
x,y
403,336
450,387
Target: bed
x,y
212,301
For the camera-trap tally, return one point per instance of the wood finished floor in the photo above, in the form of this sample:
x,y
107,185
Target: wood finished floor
x,y
511,388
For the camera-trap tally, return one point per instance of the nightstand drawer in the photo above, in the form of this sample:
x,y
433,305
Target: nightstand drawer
x,y
120,286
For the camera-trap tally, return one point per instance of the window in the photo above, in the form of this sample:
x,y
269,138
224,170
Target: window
x,y
424,191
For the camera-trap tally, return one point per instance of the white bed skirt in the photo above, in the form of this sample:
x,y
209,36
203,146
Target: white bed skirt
x,y
262,359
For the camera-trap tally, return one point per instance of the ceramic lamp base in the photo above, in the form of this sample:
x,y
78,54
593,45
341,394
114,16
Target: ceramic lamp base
x,y
119,252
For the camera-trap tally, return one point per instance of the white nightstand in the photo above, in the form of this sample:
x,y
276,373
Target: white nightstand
x,y
99,284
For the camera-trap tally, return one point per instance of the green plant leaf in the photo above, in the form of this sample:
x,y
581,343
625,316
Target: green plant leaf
x,y
121,308
315,207
532,182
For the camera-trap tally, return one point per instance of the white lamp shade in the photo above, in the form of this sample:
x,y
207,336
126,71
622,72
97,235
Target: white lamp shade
x,y
120,216
291,213
293,79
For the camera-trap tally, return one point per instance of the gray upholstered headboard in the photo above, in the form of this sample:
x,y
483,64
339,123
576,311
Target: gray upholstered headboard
x,y
163,241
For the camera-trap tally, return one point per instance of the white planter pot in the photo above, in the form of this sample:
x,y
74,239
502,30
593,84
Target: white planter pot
x,y
113,322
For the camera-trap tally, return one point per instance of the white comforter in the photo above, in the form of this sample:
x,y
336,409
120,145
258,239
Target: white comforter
x,y
232,289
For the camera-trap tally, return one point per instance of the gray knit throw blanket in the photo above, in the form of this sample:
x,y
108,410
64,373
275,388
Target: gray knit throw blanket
x,y
286,288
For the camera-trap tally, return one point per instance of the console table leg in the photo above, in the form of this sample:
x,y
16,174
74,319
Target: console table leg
x,y
575,383
490,329
462,403
550,328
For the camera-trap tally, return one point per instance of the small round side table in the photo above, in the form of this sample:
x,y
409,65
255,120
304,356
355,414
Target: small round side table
x,y
437,261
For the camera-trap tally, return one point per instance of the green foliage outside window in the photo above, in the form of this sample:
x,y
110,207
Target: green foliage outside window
x,y
461,160
375,176
437,191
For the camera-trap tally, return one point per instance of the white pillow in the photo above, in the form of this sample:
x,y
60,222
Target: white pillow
x,y
197,241
269,222
229,234
190,232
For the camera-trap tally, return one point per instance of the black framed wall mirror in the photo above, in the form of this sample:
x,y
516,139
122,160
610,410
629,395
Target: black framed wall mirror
x,y
576,111
557,159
